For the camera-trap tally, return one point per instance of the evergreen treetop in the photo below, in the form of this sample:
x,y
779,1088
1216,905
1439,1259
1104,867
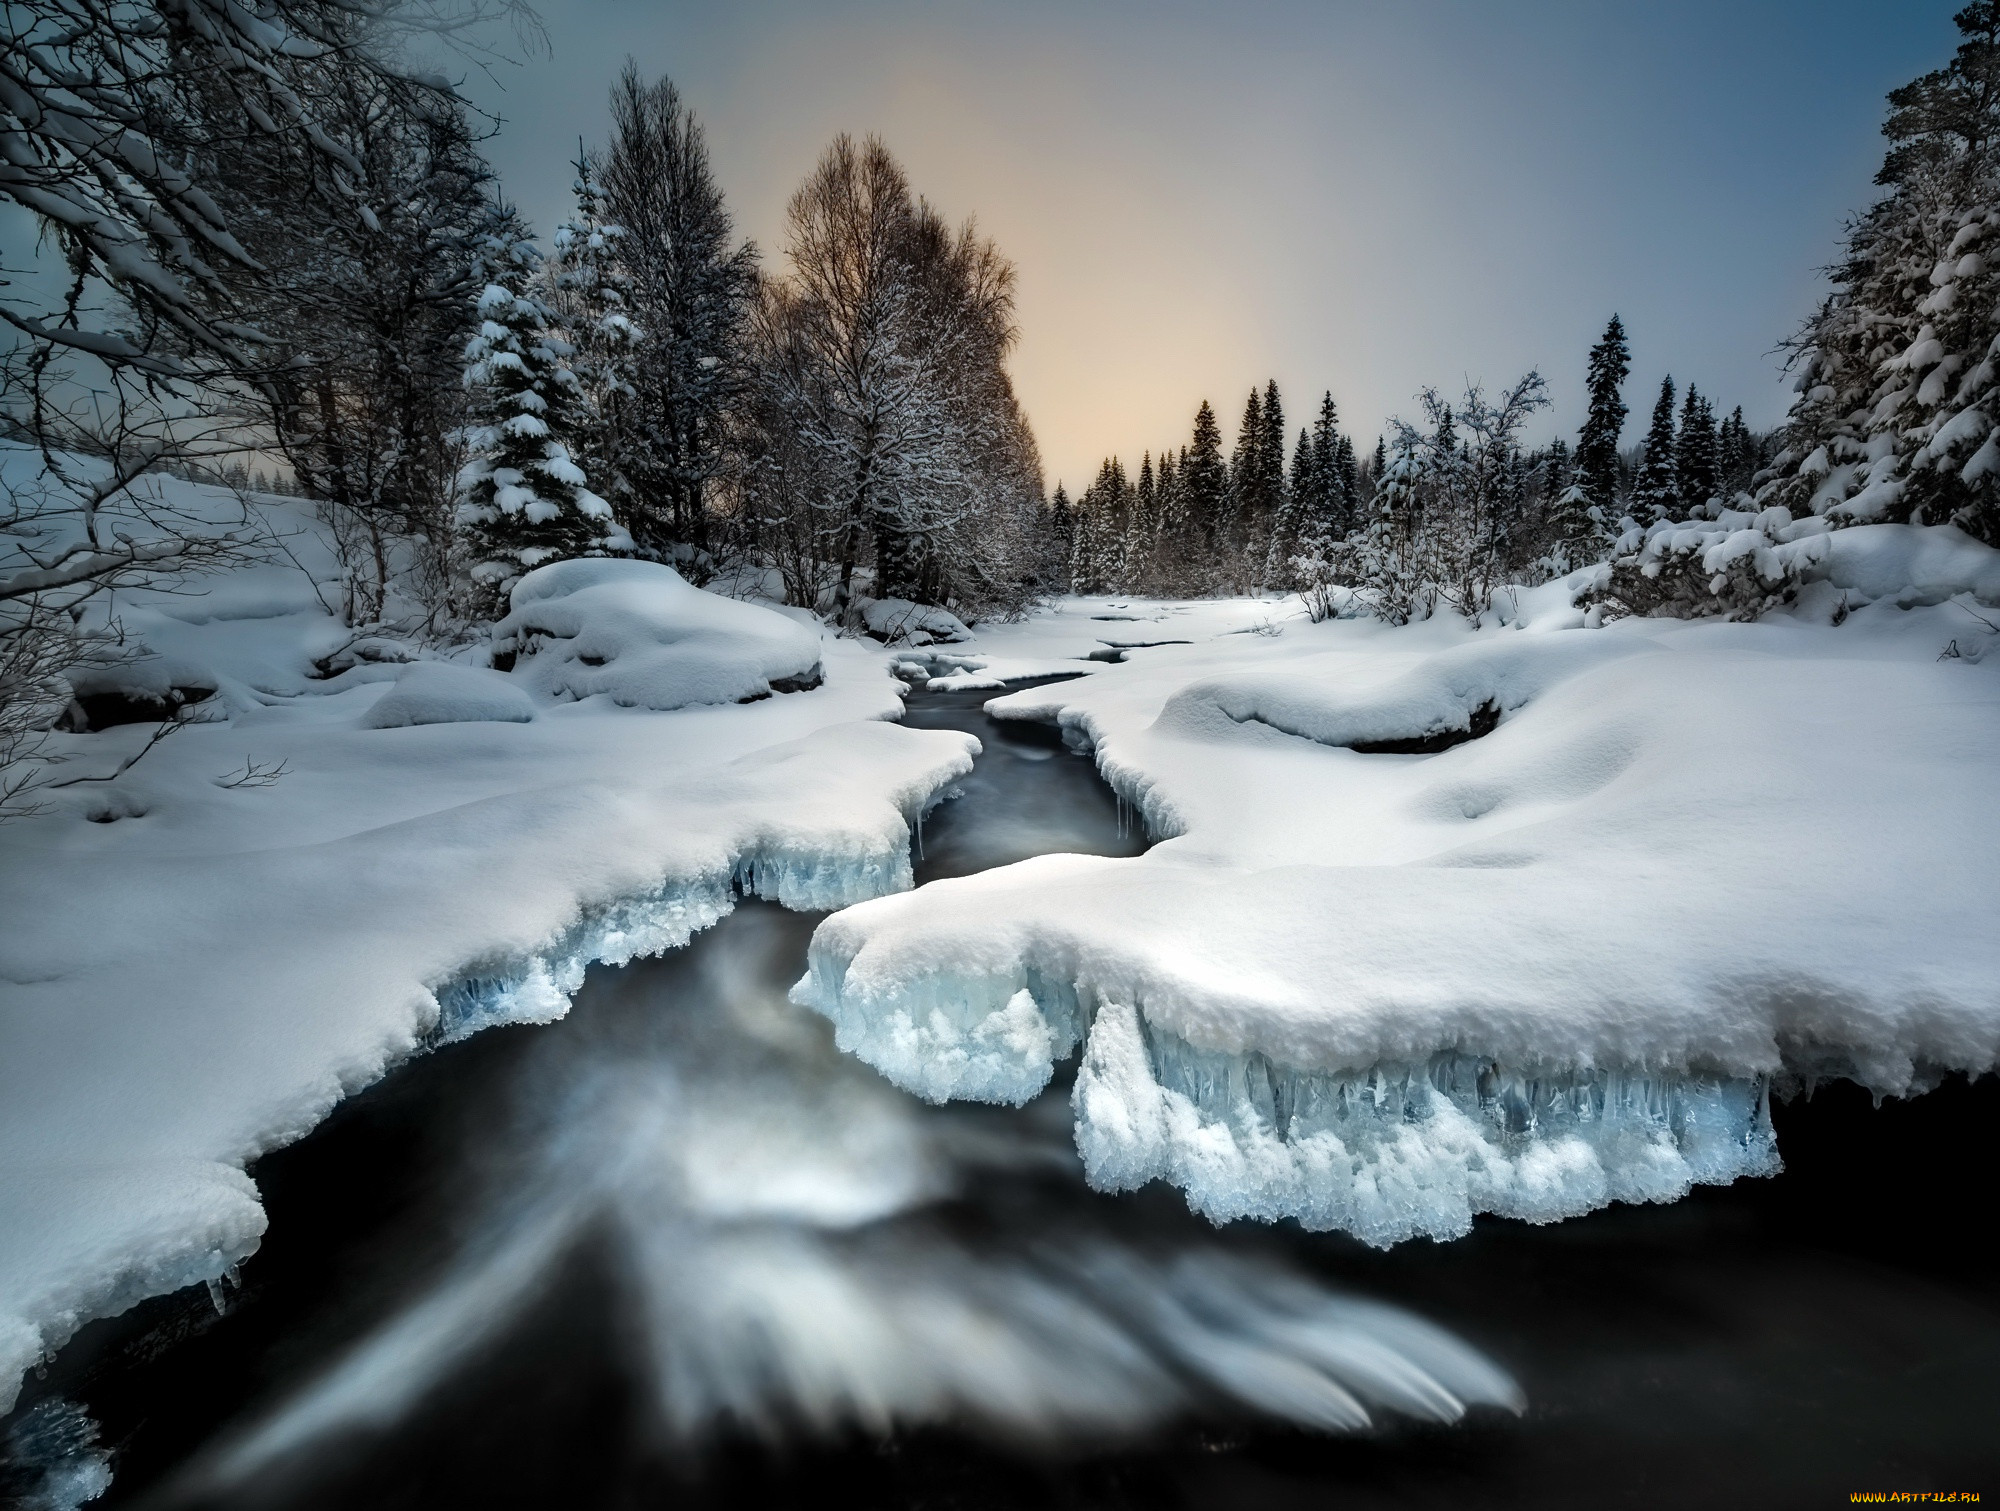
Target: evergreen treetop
x,y
1695,454
1246,462
1204,475
524,498
1656,494
1604,424
1272,465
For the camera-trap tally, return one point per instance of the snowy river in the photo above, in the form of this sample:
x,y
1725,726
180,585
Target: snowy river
x,y
678,1249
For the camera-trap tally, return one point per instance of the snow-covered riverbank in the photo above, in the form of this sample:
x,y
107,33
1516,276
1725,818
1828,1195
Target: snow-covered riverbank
x,y
1557,964
1370,978
194,972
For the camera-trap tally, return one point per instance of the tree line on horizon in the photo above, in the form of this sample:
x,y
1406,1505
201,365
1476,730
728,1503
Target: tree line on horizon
x,y
1895,376
1199,521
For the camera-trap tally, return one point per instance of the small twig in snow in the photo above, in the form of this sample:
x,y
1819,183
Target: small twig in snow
x,y
1980,617
253,775
130,761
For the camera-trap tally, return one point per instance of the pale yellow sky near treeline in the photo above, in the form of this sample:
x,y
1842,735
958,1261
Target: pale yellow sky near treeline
x,y
1361,197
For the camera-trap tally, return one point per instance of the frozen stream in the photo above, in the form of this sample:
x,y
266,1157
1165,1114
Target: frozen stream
x,y
677,1249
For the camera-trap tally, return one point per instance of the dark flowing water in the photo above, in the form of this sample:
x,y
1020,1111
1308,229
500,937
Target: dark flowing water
x,y
678,1251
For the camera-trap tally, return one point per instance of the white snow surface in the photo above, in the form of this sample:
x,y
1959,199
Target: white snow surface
x,y
441,692
638,633
1555,966
195,969
1075,636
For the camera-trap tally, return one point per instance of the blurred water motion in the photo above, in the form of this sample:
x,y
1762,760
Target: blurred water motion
x,y
801,1248
798,1248
675,1251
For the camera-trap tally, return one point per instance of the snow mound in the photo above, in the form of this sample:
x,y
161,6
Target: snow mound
x,y
437,692
638,633
897,619
1441,701
1916,564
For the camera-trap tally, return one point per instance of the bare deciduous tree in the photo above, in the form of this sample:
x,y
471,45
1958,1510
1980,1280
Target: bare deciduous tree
x,y
881,356
135,356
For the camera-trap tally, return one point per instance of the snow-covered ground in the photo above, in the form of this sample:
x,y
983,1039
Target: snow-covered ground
x,y
193,972
1558,964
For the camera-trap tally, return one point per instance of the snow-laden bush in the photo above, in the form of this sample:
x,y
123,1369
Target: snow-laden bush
x,y
637,632
1738,565
1319,568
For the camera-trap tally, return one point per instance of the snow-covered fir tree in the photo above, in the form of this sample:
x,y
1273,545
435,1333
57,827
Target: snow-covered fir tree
x,y
1347,483
1736,457
1558,470
1384,558
1247,487
524,498
1205,480
1142,529
1298,515
1656,494
1172,546
1333,456
1062,520
1695,455
1604,425
1575,528
1264,522
1097,558
587,289
1895,418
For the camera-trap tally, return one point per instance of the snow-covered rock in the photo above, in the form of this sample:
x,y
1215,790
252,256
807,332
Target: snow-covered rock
x,y
638,633
894,620
439,692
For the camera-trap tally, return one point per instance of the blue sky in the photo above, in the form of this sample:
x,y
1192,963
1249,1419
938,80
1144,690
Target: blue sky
x,y
1362,197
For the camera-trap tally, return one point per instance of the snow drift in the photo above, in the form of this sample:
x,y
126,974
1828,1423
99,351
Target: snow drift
x,y
439,692
1559,963
636,632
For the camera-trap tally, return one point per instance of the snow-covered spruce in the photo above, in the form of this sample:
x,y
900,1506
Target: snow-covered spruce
x,y
525,499
1644,873
1898,410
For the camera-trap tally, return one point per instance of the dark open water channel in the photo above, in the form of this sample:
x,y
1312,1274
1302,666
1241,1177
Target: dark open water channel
x,y
676,1251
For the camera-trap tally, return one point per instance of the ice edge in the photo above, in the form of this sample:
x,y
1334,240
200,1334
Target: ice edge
x,y
1386,1153
530,989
